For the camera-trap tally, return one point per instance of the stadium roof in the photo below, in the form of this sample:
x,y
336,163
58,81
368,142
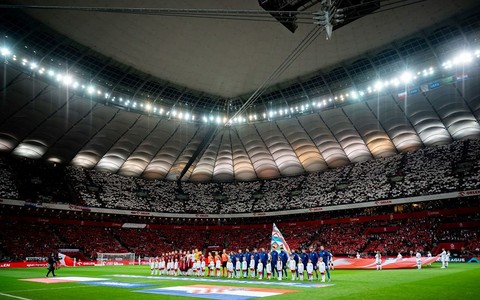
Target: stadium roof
x,y
318,121
224,57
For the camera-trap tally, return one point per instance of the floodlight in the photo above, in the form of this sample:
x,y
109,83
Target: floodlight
x,y
90,89
67,79
5,51
463,58
406,77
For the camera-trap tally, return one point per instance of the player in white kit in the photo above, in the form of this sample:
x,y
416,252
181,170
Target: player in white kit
x,y
260,269
443,258
175,267
244,267
252,267
238,267
292,265
269,269
280,269
321,267
301,269
211,267
218,266
202,267
418,258
152,265
310,270
229,268
378,260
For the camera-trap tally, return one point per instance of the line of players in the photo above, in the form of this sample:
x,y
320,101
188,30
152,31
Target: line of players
x,y
257,264
444,258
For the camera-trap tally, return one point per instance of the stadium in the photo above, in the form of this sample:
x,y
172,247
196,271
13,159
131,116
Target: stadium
x,y
279,149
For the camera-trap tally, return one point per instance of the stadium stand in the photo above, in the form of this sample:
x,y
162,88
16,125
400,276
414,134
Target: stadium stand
x,y
344,239
428,171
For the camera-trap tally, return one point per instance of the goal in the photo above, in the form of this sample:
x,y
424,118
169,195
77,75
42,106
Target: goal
x,y
115,259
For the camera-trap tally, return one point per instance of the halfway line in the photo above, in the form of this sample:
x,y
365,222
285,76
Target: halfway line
x,y
12,296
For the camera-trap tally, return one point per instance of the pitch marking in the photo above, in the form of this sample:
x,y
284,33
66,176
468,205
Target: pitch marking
x,y
12,296
275,282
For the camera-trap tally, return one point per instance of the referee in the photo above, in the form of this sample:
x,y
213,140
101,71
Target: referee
x,y
52,263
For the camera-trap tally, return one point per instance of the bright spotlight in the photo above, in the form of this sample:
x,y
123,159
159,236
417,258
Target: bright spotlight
x,y
463,58
33,66
394,82
148,107
90,89
406,77
67,79
378,85
5,51
354,95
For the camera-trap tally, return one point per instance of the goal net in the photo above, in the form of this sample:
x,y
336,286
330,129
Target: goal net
x,y
113,259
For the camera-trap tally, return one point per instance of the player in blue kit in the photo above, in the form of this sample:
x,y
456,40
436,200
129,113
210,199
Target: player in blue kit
x,y
326,257
284,257
263,257
314,258
274,262
304,257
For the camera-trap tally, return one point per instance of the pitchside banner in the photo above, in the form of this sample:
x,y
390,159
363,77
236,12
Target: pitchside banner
x,y
369,263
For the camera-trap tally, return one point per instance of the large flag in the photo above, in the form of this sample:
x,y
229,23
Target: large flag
x,y
278,242
65,260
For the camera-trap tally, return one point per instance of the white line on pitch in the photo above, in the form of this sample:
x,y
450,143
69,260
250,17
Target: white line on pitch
x,y
49,289
12,296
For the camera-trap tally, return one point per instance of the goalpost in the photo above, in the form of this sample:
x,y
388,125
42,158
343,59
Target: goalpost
x,y
112,259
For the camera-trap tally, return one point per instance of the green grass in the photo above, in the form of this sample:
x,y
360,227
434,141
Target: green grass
x,y
459,281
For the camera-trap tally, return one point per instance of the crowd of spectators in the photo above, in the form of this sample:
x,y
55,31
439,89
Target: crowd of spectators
x,y
8,189
90,240
428,171
21,240
142,242
18,241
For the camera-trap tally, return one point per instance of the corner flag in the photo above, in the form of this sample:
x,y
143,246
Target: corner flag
x,y
278,242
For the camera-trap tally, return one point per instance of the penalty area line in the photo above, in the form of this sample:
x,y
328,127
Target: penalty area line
x,y
13,296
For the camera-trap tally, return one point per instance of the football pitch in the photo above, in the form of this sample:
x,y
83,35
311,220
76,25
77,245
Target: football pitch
x,y
459,281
